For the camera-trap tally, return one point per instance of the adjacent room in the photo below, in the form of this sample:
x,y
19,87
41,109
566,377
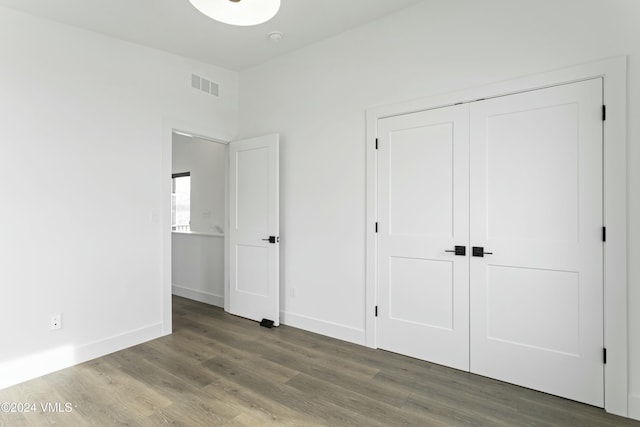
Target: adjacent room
x,y
292,212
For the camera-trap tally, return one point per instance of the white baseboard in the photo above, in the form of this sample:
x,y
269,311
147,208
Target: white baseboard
x,y
196,295
634,406
45,362
322,327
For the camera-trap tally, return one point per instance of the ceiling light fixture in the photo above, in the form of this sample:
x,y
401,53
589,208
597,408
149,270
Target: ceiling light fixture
x,y
238,12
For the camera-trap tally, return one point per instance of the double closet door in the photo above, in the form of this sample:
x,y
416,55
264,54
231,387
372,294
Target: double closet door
x,y
490,252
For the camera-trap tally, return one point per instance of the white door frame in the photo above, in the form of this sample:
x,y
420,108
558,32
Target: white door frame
x,y
169,126
614,74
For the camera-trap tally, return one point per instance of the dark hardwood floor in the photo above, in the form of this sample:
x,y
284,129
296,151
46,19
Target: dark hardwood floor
x,y
220,370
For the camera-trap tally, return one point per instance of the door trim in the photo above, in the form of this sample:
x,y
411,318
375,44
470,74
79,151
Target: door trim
x,y
613,71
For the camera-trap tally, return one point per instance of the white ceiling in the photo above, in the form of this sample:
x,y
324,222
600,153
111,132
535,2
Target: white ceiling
x,y
177,27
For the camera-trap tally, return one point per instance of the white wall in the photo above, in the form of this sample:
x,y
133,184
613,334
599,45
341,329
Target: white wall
x,y
198,267
316,98
198,259
81,148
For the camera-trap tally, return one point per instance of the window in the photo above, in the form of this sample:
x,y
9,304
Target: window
x,y
181,201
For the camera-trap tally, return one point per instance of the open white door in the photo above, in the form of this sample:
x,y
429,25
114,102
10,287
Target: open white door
x,y
254,228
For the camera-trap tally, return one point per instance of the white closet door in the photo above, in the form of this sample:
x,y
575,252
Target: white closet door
x,y
536,206
423,193
253,228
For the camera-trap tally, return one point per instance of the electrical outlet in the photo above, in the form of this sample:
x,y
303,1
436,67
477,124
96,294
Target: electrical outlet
x,y
292,292
56,322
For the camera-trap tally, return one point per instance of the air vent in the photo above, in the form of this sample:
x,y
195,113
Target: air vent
x,y
195,81
205,85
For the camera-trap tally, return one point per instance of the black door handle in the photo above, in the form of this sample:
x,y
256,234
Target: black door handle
x,y
479,251
459,250
272,239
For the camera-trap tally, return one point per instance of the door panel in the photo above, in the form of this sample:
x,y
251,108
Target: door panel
x,y
536,205
528,153
411,301
252,269
526,291
423,211
426,167
253,191
253,217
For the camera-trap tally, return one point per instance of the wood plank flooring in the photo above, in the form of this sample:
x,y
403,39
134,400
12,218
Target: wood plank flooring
x,y
220,370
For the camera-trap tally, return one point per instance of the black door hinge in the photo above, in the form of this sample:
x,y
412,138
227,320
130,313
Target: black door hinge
x,y
376,227
604,356
376,143
604,113
604,234
376,311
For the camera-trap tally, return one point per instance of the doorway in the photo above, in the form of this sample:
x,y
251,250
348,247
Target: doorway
x,y
250,229
198,218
